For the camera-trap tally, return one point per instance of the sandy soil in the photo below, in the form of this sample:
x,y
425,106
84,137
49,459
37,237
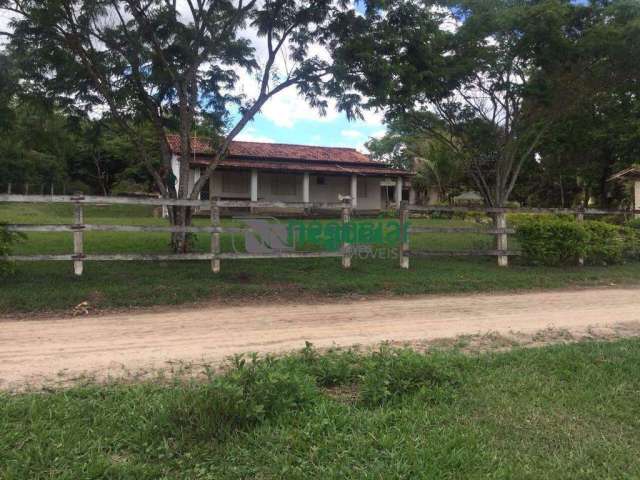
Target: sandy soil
x,y
36,352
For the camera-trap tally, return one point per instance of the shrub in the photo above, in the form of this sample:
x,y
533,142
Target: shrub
x,y
247,394
631,240
555,241
7,240
635,224
551,240
392,373
605,243
332,368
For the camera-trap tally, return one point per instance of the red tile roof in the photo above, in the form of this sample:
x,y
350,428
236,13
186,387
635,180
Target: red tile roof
x,y
312,167
287,157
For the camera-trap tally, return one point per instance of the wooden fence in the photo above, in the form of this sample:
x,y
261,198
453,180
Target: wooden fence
x,y
78,227
500,230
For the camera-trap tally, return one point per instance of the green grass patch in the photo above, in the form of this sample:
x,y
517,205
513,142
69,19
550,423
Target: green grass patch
x,y
563,412
51,286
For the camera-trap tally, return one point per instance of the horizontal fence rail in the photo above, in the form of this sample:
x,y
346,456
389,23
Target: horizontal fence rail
x,y
479,230
78,257
170,256
554,211
95,200
26,227
463,253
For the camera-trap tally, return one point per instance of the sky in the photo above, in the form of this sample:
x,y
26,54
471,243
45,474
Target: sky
x,y
289,119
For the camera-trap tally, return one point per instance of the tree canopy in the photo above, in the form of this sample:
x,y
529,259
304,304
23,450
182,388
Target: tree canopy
x,y
536,101
487,78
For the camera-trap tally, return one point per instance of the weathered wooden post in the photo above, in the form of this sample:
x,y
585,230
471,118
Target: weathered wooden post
x,y
346,246
501,238
78,227
9,188
215,236
636,199
404,235
580,219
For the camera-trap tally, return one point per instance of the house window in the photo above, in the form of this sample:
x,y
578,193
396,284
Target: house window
x,y
235,182
284,185
321,181
362,188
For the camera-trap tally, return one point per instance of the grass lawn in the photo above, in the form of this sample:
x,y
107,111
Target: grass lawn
x,y
561,412
51,286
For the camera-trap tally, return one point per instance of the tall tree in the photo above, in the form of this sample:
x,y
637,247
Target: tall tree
x,y
158,60
600,133
473,74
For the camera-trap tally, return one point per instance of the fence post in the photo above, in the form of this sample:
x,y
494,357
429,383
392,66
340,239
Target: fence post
x,y
9,189
501,238
346,246
580,219
215,236
78,226
404,235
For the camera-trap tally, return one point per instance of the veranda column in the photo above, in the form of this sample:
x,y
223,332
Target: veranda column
x,y
354,191
398,192
412,196
254,185
305,187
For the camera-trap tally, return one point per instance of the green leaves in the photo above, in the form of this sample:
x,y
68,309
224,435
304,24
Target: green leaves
x,y
556,241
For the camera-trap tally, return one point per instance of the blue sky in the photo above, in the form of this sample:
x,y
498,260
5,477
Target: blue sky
x,y
334,130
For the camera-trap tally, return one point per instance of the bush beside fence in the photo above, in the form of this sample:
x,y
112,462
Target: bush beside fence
x,y
557,241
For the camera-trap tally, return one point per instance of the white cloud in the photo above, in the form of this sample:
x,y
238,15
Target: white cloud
x,y
351,133
362,149
249,134
373,118
287,107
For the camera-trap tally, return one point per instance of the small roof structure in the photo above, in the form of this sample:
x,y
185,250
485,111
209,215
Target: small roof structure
x,y
288,158
631,173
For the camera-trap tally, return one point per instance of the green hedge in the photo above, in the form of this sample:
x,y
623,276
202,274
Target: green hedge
x,y
553,240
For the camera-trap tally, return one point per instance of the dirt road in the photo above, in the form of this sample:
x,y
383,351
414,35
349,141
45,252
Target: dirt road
x,y
31,351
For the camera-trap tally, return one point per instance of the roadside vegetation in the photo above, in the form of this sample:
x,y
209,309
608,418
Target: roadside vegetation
x,y
51,286
567,411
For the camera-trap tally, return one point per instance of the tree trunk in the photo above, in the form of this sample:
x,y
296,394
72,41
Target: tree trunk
x,y
181,242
